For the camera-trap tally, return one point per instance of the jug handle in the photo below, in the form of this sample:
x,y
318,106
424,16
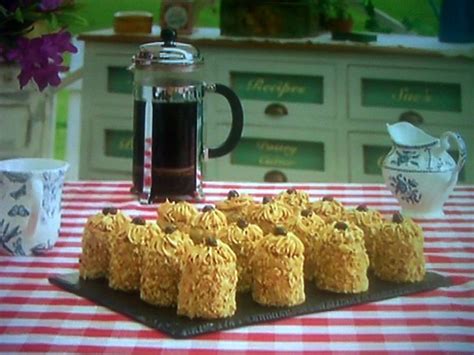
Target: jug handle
x,y
461,146
237,121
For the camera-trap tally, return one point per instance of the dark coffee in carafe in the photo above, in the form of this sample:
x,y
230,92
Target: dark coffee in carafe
x,y
174,145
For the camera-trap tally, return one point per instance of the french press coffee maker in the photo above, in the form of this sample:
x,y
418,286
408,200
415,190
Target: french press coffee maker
x,y
168,121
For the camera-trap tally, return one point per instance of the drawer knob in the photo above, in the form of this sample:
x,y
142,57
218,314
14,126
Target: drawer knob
x,y
276,110
412,117
275,176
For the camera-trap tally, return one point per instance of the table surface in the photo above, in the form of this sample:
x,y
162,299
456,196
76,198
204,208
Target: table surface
x,y
37,316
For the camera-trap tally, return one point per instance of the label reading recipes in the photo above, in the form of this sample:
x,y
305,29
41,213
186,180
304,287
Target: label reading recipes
x,y
420,95
278,87
279,154
118,143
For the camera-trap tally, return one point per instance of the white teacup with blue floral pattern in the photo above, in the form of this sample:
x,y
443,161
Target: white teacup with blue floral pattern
x,y
30,204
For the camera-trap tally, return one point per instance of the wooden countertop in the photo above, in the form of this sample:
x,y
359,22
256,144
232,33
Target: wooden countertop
x,y
386,43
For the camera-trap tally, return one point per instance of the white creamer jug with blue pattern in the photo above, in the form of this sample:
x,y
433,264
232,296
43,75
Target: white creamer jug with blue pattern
x,y
419,171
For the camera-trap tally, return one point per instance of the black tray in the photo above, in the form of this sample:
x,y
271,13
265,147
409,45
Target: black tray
x,y
248,312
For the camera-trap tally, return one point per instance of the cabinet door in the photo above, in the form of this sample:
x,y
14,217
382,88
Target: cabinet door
x,y
111,145
293,155
442,97
108,80
280,93
366,153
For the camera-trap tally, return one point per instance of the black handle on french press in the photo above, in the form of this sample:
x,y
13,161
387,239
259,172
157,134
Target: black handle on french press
x,y
237,122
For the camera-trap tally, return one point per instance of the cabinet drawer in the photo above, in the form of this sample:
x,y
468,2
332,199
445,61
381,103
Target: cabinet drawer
x,y
295,93
276,155
111,144
109,81
441,97
367,151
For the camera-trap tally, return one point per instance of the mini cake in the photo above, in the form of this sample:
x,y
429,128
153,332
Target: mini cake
x,y
177,214
207,222
208,283
236,206
125,254
328,209
308,227
270,214
277,266
399,256
161,267
296,200
370,222
343,262
241,237
98,231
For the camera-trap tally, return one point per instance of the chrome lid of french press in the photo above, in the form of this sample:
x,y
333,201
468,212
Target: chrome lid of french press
x,y
168,54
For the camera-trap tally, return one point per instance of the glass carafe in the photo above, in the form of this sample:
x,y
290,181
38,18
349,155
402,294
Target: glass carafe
x,y
168,121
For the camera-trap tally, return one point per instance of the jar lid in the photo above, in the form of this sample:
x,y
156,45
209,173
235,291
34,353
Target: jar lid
x,y
167,54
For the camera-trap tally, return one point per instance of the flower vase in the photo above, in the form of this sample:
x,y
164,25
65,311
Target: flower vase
x,y
25,117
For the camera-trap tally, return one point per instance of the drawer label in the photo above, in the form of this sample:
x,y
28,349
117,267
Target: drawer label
x,y
278,87
118,143
119,80
279,154
411,94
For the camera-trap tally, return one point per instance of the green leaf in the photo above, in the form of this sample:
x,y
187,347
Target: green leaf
x,y
53,20
70,18
19,15
3,10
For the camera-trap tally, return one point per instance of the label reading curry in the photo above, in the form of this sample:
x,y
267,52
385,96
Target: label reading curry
x,y
278,87
287,154
420,95
118,143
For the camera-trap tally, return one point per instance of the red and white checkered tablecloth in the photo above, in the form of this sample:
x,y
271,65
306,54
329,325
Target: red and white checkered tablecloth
x,y
36,316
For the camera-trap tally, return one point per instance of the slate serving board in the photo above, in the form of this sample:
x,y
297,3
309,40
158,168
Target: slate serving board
x,y
248,312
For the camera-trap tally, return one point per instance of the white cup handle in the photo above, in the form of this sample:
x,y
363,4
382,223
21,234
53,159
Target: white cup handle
x,y
37,197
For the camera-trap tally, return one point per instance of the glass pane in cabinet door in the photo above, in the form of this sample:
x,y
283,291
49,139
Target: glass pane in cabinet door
x,y
118,143
275,153
373,158
119,80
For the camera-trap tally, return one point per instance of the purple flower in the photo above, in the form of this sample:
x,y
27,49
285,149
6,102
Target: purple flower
x,y
50,5
41,58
